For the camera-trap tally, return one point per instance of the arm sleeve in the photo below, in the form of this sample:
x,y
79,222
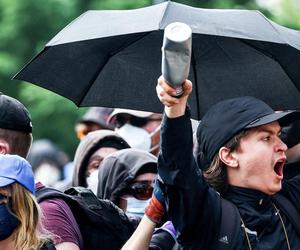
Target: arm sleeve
x,y
59,220
193,207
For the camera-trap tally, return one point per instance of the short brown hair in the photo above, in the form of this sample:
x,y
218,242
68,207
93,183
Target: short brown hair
x,y
19,142
216,174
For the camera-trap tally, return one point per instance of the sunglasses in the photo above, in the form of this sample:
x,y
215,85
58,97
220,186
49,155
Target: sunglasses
x,y
140,190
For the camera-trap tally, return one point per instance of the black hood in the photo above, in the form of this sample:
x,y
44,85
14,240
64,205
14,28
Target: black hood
x,y
119,169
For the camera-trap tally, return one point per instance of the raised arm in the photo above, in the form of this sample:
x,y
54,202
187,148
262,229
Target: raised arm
x,y
193,207
141,237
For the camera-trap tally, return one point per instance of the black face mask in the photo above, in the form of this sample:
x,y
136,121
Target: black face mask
x,y
8,222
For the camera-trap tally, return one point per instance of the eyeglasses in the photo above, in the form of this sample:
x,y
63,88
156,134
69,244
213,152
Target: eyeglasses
x,y
141,122
140,190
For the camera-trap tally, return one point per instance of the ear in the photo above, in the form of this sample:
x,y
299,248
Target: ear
x,y
4,147
228,157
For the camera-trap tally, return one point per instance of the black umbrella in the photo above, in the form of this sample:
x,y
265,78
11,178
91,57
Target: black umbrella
x,y
113,58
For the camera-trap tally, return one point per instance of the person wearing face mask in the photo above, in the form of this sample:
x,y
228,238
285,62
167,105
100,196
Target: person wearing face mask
x,y
140,129
90,153
20,217
126,178
16,138
47,161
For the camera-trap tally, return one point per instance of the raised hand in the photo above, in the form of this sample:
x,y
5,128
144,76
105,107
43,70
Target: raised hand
x,y
174,106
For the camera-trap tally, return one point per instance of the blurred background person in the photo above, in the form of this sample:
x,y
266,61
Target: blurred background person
x,y
140,129
126,178
16,138
89,154
48,162
15,127
94,119
20,216
290,135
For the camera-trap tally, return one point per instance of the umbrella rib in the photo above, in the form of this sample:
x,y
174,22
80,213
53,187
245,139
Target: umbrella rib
x,y
270,55
266,53
130,43
108,58
163,14
274,28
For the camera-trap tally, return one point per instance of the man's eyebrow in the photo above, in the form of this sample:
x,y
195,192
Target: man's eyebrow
x,y
266,130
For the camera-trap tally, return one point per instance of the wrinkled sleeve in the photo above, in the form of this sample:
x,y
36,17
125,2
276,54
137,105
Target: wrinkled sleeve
x,y
193,207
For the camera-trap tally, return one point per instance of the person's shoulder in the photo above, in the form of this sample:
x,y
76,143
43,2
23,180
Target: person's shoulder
x,y
53,203
55,207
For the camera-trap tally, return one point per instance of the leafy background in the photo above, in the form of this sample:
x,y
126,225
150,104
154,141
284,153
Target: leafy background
x,y
26,26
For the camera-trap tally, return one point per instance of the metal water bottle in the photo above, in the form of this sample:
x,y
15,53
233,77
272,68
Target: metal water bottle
x,y
176,54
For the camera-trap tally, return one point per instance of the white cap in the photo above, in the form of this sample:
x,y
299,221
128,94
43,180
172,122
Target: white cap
x,y
137,113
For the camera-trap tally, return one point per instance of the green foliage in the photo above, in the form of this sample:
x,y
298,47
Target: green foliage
x,y
53,116
292,19
221,4
120,4
26,26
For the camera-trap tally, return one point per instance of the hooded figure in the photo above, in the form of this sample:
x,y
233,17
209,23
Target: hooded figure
x,y
47,161
119,171
87,148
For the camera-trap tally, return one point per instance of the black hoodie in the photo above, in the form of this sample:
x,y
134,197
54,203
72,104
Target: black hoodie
x,y
119,169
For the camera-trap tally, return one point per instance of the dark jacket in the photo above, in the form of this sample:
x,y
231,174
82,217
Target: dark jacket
x,y
119,169
163,240
195,208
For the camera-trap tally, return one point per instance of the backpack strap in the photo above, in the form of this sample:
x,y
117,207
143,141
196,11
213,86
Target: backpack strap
x,y
230,226
91,199
45,193
289,210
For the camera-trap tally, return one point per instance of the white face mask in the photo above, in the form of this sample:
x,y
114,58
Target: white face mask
x,y
136,207
92,181
136,137
47,174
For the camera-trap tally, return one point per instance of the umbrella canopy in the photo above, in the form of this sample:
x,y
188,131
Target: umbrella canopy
x,y
113,58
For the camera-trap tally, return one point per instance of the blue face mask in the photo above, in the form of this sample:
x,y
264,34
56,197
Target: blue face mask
x,y
8,222
136,207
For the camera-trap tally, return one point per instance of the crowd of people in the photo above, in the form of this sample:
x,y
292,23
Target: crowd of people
x,y
149,183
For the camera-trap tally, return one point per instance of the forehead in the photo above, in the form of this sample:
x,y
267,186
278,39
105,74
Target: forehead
x,y
272,128
145,177
269,127
104,151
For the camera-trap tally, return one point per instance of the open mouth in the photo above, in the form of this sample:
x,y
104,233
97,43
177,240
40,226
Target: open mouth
x,y
278,168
